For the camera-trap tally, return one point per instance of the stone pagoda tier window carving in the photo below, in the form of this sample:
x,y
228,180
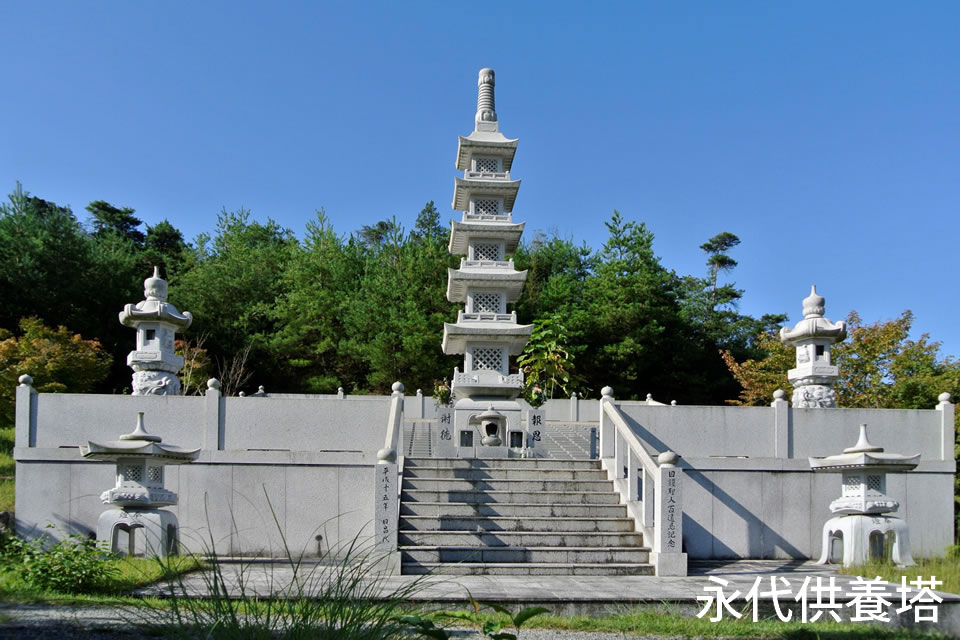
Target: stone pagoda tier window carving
x,y
133,473
487,358
486,165
486,206
487,303
155,475
487,251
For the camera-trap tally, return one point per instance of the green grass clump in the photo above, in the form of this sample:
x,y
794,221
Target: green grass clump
x,y
946,569
669,623
7,466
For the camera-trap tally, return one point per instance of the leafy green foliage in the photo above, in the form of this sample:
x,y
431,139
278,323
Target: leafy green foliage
x,y
58,361
72,565
491,627
546,363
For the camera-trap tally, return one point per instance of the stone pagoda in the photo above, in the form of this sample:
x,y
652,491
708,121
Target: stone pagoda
x,y
139,494
486,414
155,364
814,376
863,529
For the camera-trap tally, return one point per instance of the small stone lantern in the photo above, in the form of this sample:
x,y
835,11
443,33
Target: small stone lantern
x,y
155,364
814,376
139,492
862,529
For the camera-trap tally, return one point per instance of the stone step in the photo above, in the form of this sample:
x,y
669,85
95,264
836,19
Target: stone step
x,y
573,555
517,539
476,496
527,569
511,510
488,484
493,524
500,463
538,473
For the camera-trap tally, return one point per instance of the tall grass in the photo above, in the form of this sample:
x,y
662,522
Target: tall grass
x,y
946,569
340,594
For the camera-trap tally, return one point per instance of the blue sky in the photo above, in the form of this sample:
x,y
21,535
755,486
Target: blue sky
x,y
825,135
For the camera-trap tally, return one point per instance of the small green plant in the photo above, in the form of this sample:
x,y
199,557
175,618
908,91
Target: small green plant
x,y
442,394
73,565
491,628
534,396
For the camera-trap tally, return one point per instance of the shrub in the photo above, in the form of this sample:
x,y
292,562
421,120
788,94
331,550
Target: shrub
x,y
72,565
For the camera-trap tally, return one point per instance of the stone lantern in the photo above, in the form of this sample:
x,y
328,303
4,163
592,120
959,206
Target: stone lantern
x,y
139,492
486,282
814,376
863,530
154,363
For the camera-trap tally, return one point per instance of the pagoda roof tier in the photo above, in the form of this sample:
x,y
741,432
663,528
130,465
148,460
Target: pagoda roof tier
x,y
485,143
461,232
508,281
465,188
456,337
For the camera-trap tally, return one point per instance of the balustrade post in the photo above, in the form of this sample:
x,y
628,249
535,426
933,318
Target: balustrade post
x,y
668,556
607,430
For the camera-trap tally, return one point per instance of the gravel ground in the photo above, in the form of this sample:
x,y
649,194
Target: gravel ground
x,y
35,622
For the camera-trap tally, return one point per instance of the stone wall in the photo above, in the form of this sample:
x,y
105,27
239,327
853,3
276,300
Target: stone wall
x,y
748,488
305,465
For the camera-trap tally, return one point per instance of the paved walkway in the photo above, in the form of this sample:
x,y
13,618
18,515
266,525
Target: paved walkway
x,y
564,595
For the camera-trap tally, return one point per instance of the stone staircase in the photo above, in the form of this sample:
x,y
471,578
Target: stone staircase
x,y
515,517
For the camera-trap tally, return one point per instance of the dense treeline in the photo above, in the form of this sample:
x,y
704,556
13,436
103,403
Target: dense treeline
x,y
360,310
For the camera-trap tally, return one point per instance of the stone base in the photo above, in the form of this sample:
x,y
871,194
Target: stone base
x,y
140,532
847,540
491,452
669,564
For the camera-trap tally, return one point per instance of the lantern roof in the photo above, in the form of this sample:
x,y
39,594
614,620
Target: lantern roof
x,y
814,325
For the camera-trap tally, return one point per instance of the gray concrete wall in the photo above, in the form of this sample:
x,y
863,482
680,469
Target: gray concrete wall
x,y
308,462
745,496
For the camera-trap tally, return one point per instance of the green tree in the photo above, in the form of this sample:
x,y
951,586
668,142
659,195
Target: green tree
x,y
716,247
106,219
232,288
546,363
880,367
58,360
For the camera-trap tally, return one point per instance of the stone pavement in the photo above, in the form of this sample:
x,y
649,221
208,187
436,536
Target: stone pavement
x,y
598,595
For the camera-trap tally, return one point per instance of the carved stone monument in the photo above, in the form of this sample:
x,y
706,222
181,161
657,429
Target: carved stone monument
x,y
154,363
486,412
863,530
814,376
139,493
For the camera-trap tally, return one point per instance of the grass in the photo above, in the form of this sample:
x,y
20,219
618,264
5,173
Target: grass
x,y
945,569
6,468
127,574
669,623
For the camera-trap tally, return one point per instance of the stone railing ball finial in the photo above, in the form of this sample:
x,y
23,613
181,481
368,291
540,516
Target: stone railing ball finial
x,y
607,392
943,397
668,459
486,102
27,381
779,394
213,383
397,388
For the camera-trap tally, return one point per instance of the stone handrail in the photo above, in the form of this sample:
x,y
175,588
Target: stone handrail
x,y
651,489
387,484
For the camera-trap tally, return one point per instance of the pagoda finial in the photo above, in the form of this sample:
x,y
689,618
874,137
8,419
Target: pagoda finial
x,y
486,103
